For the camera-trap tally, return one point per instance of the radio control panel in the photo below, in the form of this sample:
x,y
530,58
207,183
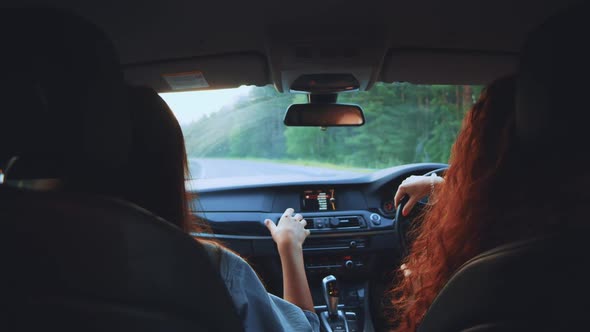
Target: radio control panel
x,y
335,222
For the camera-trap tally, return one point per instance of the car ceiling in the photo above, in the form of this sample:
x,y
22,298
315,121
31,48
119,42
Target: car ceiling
x,y
154,37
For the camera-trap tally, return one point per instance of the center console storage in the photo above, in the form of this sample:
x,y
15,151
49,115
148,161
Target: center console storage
x,y
352,313
348,261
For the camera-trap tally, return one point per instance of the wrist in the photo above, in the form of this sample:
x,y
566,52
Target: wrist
x,y
289,247
434,180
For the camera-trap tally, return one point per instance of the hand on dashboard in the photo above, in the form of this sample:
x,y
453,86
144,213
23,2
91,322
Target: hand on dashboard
x,y
290,232
416,187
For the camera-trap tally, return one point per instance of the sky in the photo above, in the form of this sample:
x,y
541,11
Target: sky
x,y
192,105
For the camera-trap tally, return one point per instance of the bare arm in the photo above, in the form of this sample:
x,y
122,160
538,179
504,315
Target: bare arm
x,y
289,234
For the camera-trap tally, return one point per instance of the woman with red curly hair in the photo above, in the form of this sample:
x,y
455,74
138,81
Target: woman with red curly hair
x,y
464,218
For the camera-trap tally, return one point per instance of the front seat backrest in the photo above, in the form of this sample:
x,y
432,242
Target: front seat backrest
x,y
73,260
542,284
533,285
552,84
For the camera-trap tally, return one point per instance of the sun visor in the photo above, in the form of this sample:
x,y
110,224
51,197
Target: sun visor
x,y
446,67
202,73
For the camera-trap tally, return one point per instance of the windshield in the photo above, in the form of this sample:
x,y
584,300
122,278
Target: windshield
x,y
240,132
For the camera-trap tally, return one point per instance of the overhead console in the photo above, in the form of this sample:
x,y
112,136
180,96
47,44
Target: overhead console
x,y
297,50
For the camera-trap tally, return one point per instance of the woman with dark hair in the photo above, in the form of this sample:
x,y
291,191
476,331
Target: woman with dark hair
x,y
159,159
464,219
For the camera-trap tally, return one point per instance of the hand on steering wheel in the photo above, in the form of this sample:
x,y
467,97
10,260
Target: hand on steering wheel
x,y
416,187
409,200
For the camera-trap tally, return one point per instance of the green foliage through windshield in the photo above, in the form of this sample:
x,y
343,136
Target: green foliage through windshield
x,y
405,123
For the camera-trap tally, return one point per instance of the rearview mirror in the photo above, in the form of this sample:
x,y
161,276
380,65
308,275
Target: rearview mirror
x,y
324,115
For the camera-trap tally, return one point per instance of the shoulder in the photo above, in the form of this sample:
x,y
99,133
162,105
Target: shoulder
x,y
231,259
215,249
230,265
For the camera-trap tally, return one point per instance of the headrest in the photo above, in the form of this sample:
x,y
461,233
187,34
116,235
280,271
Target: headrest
x,y
553,87
157,148
63,107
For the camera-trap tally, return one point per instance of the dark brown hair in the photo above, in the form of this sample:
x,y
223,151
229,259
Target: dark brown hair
x,y
158,161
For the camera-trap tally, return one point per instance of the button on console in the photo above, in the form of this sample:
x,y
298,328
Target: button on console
x,y
349,264
334,222
375,218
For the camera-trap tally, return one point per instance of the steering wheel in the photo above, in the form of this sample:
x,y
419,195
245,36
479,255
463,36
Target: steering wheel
x,y
404,225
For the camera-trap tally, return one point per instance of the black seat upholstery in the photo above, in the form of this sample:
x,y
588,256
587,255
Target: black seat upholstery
x,y
64,111
553,78
74,260
541,284
534,285
79,262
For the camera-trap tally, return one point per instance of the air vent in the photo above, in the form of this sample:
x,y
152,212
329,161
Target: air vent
x,y
348,222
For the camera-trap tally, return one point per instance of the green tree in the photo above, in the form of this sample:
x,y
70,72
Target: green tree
x,y
405,123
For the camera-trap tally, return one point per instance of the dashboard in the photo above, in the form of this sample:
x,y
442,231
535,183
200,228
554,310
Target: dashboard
x,y
351,223
236,208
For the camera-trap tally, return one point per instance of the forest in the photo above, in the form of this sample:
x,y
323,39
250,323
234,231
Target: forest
x,y
405,123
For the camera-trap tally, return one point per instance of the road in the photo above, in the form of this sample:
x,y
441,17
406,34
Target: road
x,y
209,168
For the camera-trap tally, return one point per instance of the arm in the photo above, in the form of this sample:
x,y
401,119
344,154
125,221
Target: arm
x,y
416,187
289,235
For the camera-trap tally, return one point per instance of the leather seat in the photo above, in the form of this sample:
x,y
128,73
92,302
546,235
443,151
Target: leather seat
x,y
540,284
74,259
80,262
533,285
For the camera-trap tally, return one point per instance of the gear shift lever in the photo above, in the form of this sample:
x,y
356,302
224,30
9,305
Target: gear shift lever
x,y
331,294
333,320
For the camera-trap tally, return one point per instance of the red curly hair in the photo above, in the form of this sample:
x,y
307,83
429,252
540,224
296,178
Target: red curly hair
x,y
464,221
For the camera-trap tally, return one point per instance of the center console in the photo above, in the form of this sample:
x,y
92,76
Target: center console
x,y
340,257
345,308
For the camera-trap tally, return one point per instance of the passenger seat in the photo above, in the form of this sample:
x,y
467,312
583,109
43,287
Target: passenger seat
x,y
73,258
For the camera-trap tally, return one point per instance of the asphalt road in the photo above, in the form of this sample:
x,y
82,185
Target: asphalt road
x,y
206,168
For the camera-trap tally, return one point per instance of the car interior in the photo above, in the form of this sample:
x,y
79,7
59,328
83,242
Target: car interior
x,y
79,257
